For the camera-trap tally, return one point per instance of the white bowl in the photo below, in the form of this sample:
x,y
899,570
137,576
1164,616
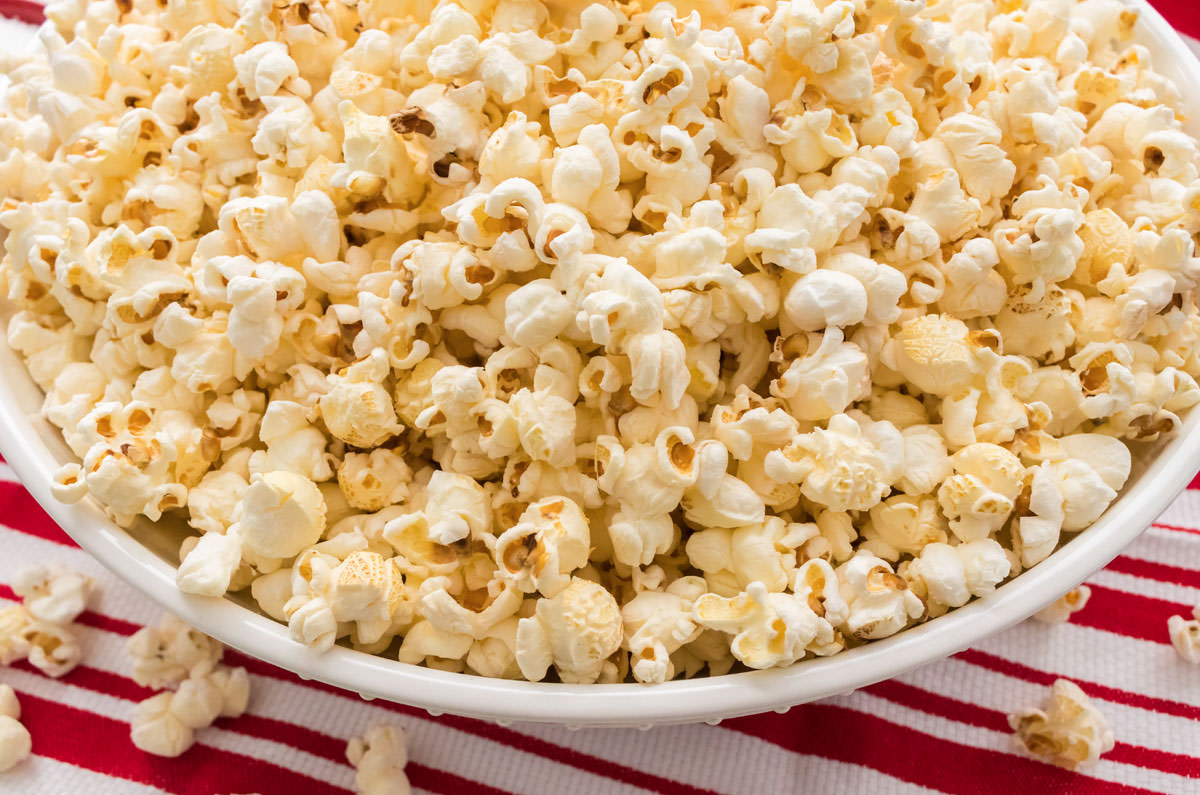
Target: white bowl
x,y
145,557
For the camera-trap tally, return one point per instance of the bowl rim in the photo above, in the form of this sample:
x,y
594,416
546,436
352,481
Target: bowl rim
x,y
627,704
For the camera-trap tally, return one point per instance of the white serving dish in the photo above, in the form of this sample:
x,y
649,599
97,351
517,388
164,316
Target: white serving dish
x,y
145,557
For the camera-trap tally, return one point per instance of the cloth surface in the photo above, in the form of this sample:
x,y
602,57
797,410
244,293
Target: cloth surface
x,y
941,728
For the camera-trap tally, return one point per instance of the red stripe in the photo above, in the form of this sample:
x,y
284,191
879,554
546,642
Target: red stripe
x,y
932,703
23,10
444,783
1181,14
100,681
97,742
1152,570
21,512
1176,528
1016,670
89,619
107,623
1195,484
314,742
1129,614
842,734
1154,759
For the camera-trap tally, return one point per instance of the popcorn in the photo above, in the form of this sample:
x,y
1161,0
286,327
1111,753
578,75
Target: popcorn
x,y
457,506
906,525
657,624
293,443
830,374
156,729
272,591
14,618
234,687
208,567
980,495
52,595
53,650
732,504
468,326
168,654
379,757
575,631
1185,636
282,513
1065,606
950,575
372,481
879,602
357,408
826,298
1070,732
15,742
425,642
548,543
934,353
545,426
973,142
40,629
176,656
843,467
769,629
536,313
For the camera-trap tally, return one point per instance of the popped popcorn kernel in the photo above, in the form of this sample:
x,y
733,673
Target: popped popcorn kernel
x,y
1070,732
40,629
1185,636
1061,610
199,690
15,742
379,757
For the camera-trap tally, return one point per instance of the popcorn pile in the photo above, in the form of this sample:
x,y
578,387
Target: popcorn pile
x,y
174,655
39,629
601,341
